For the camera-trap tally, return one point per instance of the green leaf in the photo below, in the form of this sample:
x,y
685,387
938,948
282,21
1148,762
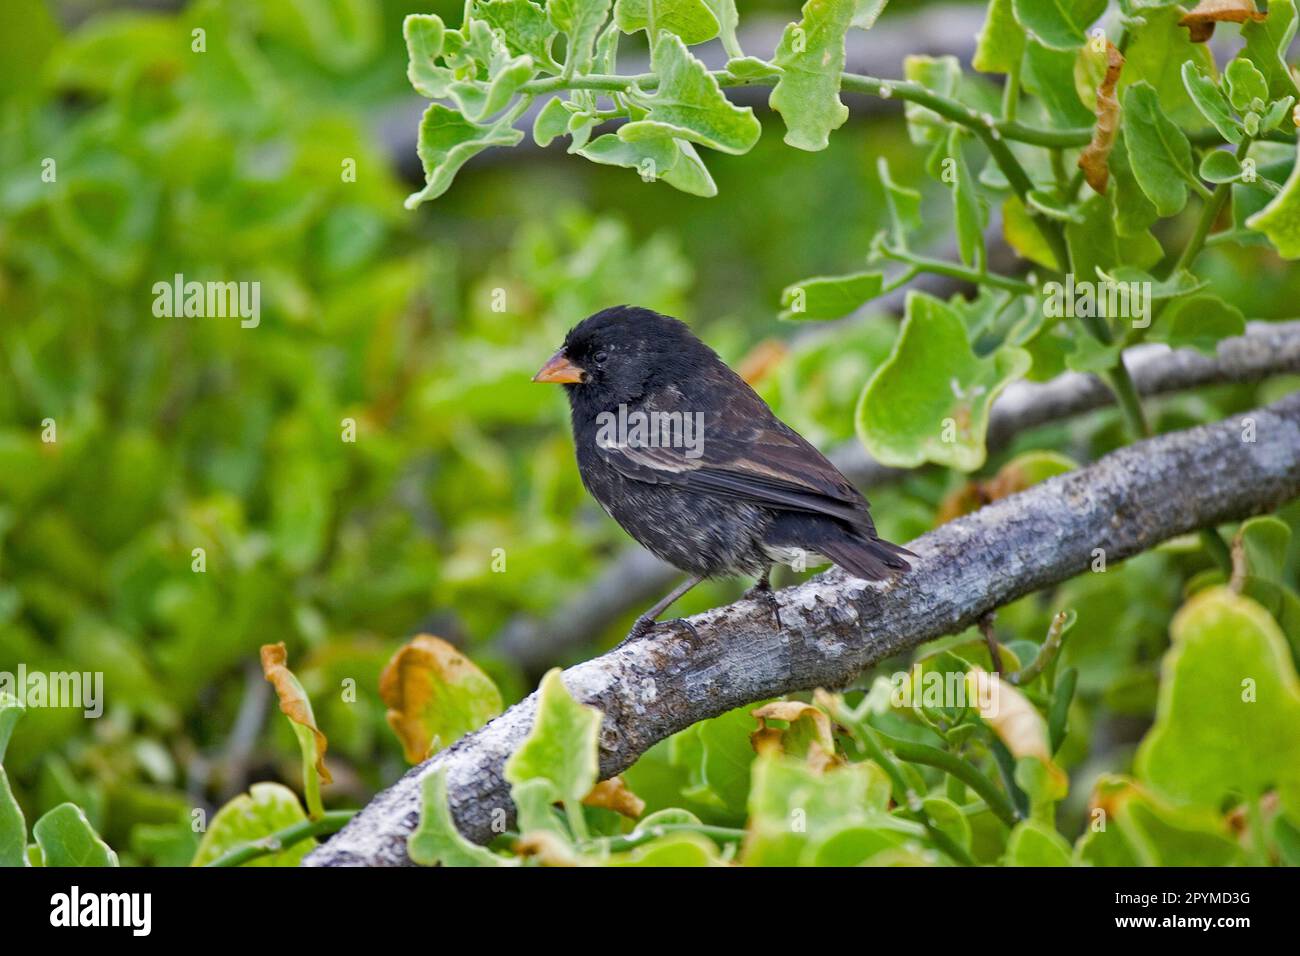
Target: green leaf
x,y
1033,843
1280,219
1209,99
673,849
1158,152
436,840
1157,49
689,174
265,809
829,297
940,75
1228,716
688,103
552,120
654,155
447,141
13,826
424,33
1245,84
692,20
1133,211
751,68
930,400
506,81
1023,235
1049,75
524,26
811,57
562,746
724,11
1276,114
904,205
717,755
969,212
948,818
794,811
1136,828
1060,24
580,20
1000,44
11,708
1267,42
1259,557
66,838
1220,166
1200,322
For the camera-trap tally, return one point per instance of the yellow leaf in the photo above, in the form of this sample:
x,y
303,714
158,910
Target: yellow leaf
x,y
293,700
435,695
808,734
613,794
1011,716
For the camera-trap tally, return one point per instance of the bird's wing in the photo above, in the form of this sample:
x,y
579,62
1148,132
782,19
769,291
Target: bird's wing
x,y
743,451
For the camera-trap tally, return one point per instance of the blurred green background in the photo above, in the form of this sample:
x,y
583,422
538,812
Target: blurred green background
x,y
180,433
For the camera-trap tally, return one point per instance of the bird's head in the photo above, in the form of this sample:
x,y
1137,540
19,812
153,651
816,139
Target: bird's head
x,y
620,353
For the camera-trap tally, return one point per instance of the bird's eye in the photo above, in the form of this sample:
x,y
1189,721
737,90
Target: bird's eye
x,y
600,357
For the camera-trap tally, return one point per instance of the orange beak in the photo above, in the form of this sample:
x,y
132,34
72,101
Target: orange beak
x,y
559,369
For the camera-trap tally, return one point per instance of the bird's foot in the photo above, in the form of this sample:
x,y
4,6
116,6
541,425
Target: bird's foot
x,y
762,591
644,625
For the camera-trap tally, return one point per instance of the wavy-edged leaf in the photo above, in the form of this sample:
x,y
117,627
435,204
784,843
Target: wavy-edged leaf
x,y
1228,715
1280,219
66,838
930,400
811,58
447,141
295,705
692,20
688,103
436,841
435,695
562,745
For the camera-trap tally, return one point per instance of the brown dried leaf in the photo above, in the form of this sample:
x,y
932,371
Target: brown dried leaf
x,y
1093,158
1201,20
613,794
435,695
808,735
293,699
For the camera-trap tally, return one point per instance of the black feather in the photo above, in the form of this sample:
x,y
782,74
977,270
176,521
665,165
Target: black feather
x,y
752,490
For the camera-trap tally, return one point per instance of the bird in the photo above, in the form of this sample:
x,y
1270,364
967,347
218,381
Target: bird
x,y
693,464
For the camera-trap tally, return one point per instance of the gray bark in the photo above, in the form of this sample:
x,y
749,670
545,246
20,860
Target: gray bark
x,y
636,578
833,626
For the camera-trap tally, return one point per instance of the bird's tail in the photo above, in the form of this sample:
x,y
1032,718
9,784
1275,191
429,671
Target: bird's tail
x,y
871,559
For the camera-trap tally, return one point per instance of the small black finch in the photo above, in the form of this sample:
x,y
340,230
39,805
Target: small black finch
x,y
693,464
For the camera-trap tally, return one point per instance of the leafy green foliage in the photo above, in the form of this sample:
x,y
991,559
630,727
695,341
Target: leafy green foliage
x,y
188,444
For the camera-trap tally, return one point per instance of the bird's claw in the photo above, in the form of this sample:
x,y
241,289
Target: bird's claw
x,y
763,592
644,625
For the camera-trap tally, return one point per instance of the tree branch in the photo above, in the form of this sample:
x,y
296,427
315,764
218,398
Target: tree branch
x,y
833,627
635,578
